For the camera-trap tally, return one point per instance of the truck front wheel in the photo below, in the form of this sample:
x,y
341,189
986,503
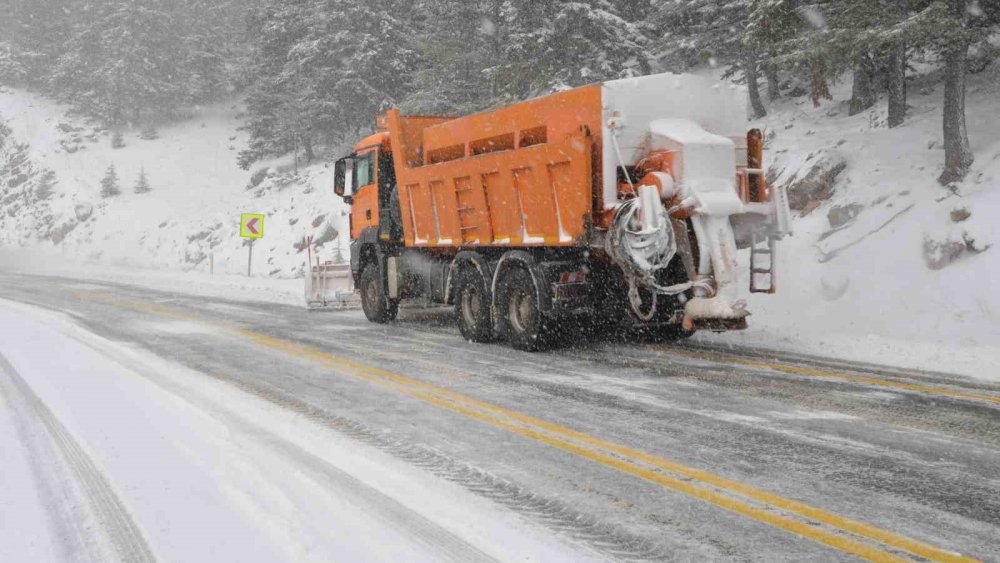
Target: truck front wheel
x,y
376,304
472,306
521,320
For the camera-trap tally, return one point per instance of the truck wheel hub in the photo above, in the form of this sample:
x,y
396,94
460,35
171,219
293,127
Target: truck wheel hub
x,y
471,302
520,311
371,294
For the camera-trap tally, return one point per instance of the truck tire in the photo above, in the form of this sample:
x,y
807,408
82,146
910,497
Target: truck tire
x,y
376,304
521,321
472,306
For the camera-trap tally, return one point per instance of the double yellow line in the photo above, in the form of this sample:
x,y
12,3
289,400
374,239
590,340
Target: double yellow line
x,y
827,528
827,374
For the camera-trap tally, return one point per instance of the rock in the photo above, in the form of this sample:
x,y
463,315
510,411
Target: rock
x,y
83,211
59,233
194,256
833,287
329,233
841,215
960,214
17,180
973,244
939,254
200,235
318,221
257,177
66,128
810,207
818,184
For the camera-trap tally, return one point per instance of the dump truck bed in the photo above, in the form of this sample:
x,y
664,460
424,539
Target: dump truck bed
x,y
517,176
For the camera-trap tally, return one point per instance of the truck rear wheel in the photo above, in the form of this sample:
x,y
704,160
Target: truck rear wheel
x,y
472,306
376,304
521,320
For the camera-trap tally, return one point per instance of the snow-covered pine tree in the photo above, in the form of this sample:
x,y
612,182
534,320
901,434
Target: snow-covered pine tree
x,y
35,32
458,48
215,38
956,35
117,139
124,61
322,70
275,27
45,186
698,32
149,132
142,183
109,184
563,44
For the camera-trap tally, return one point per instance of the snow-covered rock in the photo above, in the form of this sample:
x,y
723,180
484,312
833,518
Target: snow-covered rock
x,y
83,211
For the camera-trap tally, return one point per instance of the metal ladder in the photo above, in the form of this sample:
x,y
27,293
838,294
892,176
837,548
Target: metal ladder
x,y
759,249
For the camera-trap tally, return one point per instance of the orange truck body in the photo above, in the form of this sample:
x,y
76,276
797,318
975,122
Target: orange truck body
x,y
518,176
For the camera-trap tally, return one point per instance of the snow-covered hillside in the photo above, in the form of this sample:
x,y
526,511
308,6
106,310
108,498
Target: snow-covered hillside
x,y
192,213
886,265
893,267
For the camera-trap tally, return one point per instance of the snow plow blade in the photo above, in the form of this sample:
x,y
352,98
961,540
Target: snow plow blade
x,y
330,286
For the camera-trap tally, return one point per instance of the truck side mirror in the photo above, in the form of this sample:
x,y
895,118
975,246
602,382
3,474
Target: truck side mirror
x,y
343,177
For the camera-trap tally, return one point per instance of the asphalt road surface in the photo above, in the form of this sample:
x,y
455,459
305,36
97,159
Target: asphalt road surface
x,y
641,451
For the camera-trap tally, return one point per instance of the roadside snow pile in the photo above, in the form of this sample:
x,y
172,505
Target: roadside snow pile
x,y
181,193
886,265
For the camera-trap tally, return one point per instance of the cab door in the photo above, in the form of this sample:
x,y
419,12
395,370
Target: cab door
x,y
365,209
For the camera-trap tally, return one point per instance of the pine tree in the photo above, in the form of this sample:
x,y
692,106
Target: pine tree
x,y
322,70
142,183
122,63
109,184
117,139
45,186
35,32
457,49
563,44
149,133
955,38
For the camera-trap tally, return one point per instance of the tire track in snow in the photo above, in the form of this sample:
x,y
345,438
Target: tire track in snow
x,y
125,537
605,539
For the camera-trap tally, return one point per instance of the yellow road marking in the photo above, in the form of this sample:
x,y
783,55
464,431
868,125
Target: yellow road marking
x,y
540,430
867,379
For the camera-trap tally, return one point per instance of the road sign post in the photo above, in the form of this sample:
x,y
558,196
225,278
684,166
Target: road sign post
x,y
251,227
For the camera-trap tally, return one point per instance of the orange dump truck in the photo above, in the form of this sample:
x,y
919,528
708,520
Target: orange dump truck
x,y
621,204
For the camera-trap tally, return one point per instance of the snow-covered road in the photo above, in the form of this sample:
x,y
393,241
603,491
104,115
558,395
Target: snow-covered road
x,y
144,424
110,453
